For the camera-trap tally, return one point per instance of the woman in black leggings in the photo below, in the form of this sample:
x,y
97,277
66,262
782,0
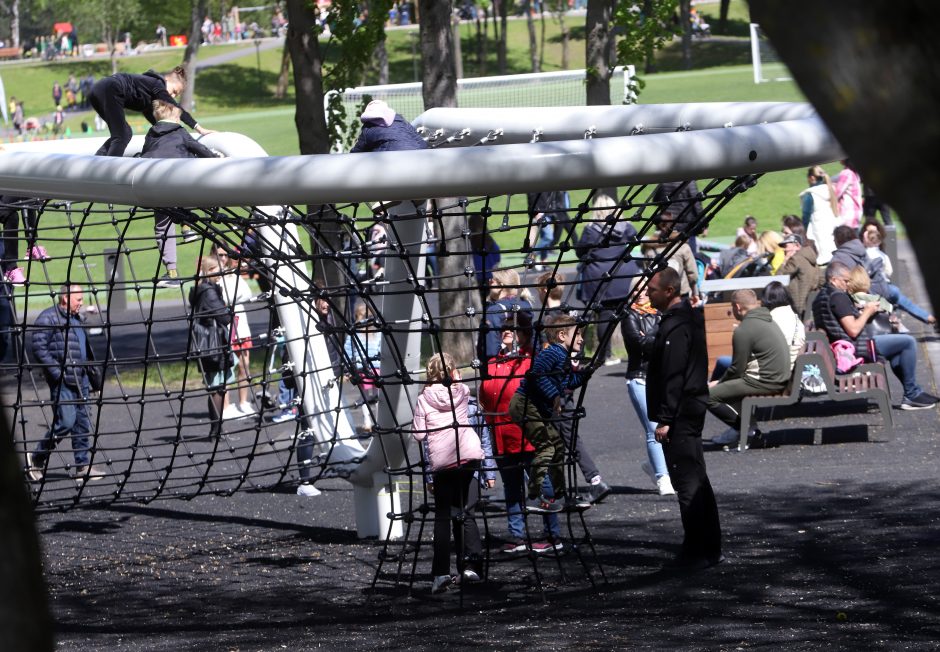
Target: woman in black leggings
x,y
112,95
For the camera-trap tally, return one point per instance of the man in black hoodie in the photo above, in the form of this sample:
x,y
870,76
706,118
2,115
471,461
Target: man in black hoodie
x,y
168,139
676,399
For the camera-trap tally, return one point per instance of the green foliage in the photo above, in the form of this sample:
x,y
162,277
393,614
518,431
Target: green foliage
x,y
95,20
643,31
350,49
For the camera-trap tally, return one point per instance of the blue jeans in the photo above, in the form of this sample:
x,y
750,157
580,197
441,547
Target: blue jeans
x,y
654,450
901,300
513,469
70,418
722,363
901,353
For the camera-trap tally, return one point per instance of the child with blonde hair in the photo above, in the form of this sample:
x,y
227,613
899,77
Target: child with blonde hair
x,y
454,453
506,298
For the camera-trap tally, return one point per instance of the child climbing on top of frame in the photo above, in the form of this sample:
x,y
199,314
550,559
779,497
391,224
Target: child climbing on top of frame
x,y
110,97
168,139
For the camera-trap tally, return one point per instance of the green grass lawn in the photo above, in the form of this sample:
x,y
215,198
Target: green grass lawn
x,y
236,97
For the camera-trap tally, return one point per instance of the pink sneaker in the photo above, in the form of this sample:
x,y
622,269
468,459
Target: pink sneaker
x,y
38,252
15,276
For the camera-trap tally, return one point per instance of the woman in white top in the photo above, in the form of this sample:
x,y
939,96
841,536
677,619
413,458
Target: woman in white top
x,y
236,293
820,213
778,301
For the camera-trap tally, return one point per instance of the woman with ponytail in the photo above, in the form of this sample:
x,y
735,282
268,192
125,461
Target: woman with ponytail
x,y
820,212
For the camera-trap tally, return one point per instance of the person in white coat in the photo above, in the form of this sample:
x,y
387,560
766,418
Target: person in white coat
x,y
236,293
820,212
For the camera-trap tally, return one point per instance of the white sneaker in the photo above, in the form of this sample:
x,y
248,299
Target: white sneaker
x,y
611,361
232,412
440,583
728,437
247,409
470,575
307,489
664,484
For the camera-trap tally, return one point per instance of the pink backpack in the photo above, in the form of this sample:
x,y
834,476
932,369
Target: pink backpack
x,y
844,352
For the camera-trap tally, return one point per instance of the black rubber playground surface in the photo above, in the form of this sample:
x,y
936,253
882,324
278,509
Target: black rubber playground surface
x,y
829,547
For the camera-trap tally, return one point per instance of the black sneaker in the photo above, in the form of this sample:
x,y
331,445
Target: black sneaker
x,y
542,505
167,281
599,491
922,401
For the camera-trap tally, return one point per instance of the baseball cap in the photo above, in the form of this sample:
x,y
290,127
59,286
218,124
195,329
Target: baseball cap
x,y
793,238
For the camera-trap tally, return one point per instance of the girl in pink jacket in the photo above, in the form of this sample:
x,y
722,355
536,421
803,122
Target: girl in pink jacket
x,y
454,453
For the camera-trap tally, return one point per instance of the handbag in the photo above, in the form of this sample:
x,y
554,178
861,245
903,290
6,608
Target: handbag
x,y
211,346
93,372
879,324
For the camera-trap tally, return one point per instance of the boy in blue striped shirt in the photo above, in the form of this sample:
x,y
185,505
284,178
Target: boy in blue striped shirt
x,y
536,406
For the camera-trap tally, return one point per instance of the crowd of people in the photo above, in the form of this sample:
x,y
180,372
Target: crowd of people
x,y
522,421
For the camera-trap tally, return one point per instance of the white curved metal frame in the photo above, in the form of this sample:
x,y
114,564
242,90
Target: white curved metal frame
x,y
580,147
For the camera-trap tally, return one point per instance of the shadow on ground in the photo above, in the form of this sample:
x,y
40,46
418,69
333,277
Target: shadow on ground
x,y
810,567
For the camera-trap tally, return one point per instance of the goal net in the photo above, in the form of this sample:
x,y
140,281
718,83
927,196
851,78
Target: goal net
x,y
337,279
563,88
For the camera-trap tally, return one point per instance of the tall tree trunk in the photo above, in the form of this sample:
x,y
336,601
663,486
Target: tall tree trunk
x,y
723,16
502,64
439,82
685,21
439,88
24,610
15,23
895,44
600,43
458,54
283,77
542,39
649,55
481,44
565,35
307,62
533,40
200,9
381,60
457,290
381,50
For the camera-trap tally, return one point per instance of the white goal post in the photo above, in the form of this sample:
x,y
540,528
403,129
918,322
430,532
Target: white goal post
x,y
764,59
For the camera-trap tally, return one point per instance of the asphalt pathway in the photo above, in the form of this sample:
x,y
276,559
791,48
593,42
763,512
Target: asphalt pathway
x,y
829,547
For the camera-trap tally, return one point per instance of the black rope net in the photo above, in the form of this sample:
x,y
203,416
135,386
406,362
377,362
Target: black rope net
x,y
154,430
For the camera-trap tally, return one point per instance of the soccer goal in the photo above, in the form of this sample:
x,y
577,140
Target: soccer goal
x,y
564,88
351,271
764,59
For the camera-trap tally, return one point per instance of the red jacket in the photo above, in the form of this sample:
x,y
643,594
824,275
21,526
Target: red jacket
x,y
505,375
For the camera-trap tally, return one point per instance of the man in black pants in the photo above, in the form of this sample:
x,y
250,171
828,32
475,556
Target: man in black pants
x,y
676,398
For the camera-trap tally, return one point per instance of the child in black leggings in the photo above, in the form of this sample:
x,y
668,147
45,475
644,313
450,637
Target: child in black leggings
x,y
112,95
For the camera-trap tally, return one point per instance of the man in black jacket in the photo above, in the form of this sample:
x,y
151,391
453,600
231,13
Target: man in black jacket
x,y
676,399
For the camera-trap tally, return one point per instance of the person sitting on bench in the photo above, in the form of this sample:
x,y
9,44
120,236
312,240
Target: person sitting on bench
x,y
760,364
836,313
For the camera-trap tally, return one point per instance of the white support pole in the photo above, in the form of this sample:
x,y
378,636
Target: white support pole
x,y
755,54
401,354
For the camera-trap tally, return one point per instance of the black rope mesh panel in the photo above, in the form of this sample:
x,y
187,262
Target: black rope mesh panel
x,y
150,432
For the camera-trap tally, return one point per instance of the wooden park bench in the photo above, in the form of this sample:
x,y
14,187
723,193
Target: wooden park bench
x,y
10,53
867,381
